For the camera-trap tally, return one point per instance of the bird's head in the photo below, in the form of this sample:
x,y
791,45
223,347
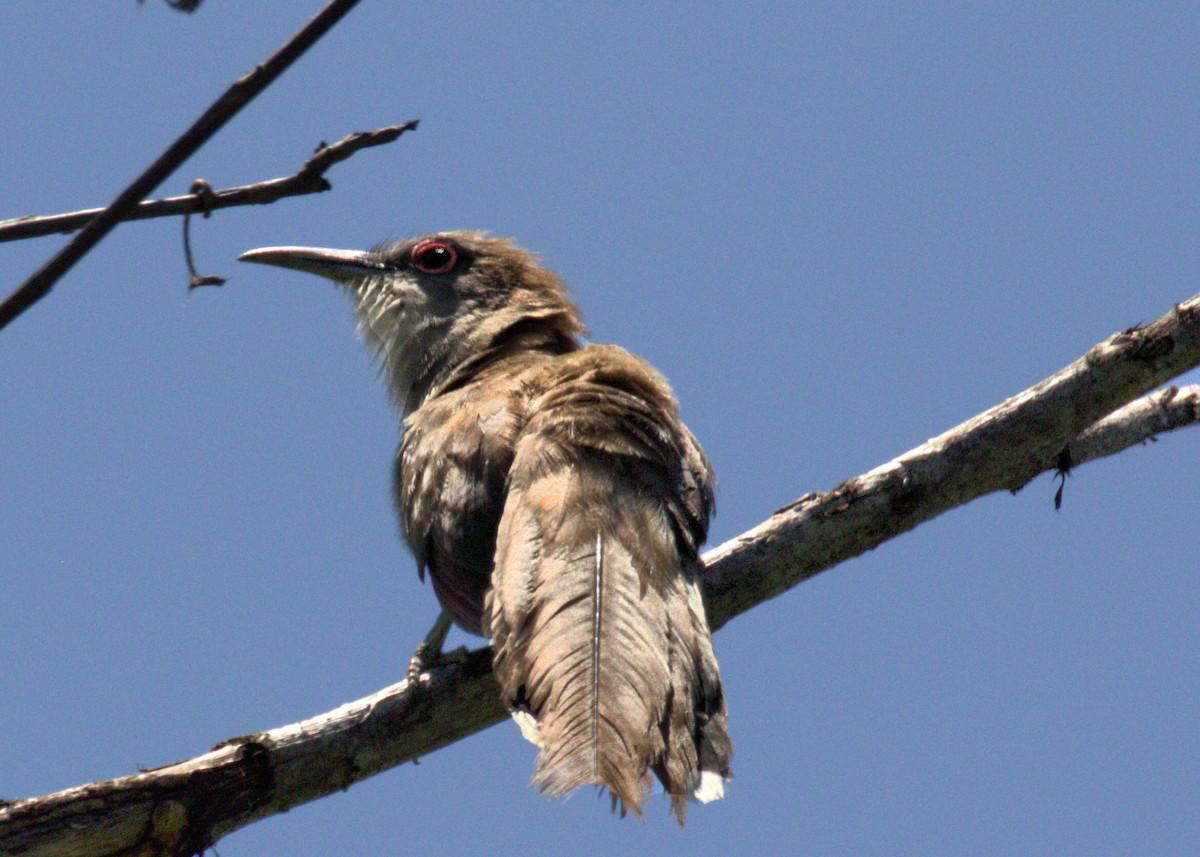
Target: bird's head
x,y
437,306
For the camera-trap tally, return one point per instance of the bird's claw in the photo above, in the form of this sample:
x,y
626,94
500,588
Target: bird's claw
x,y
429,653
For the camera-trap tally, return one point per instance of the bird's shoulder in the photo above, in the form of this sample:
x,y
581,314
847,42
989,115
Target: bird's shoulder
x,y
599,367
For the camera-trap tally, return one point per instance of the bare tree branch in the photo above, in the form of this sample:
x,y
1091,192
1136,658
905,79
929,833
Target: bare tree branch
x,y
1163,411
183,808
310,178
243,90
1001,449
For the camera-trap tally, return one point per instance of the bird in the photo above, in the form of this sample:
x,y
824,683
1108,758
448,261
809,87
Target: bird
x,y
557,501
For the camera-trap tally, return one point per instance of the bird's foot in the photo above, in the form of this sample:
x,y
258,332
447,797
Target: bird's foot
x,y
429,654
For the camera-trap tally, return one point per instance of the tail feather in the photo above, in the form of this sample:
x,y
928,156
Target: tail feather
x,y
595,610
594,618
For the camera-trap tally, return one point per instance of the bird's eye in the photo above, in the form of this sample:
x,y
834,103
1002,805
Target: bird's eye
x,y
433,257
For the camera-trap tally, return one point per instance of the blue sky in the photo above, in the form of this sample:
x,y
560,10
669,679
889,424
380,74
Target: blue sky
x,y
837,231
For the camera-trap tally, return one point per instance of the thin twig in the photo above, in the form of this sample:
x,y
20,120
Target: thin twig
x,y
243,90
204,190
1138,422
1160,412
308,179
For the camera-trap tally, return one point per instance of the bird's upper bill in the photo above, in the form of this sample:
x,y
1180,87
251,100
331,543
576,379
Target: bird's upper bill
x,y
341,265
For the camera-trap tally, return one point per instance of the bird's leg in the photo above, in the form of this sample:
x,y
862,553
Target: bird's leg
x,y
430,650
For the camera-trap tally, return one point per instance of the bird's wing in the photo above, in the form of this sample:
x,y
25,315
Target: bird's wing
x,y
449,487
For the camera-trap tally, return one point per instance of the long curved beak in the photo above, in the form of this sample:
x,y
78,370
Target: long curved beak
x,y
341,265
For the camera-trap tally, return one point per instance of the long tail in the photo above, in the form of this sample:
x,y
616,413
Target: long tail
x,y
601,638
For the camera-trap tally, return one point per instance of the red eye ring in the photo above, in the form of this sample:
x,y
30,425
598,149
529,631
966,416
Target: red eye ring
x,y
433,257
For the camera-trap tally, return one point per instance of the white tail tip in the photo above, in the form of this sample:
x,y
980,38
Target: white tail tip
x,y
711,787
529,727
